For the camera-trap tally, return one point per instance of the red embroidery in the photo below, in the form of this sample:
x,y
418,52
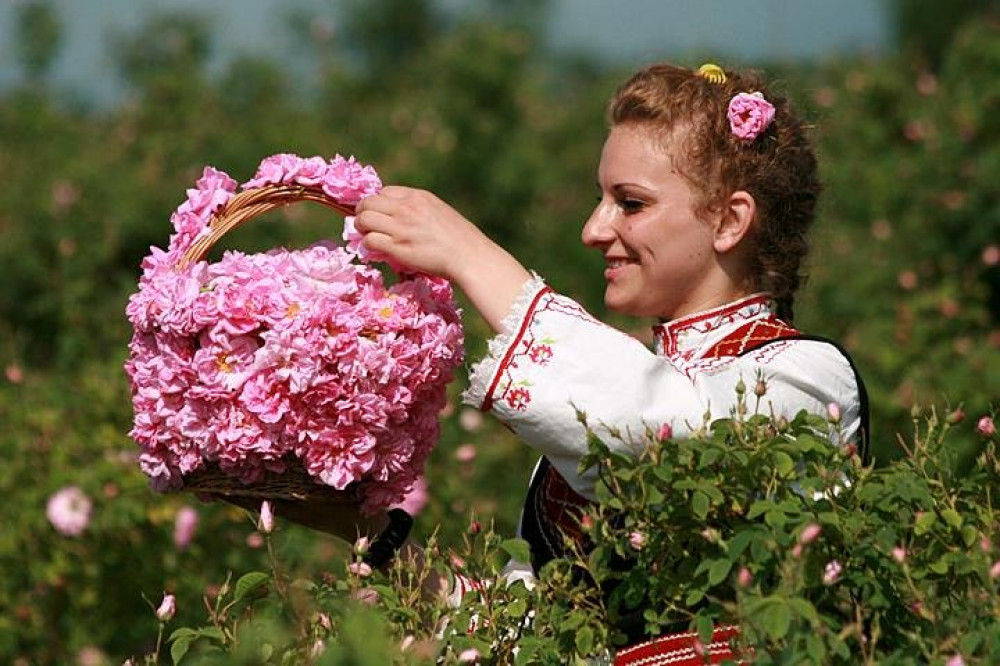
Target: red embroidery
x,y
505,364
527,346
541,354
518,398
683,649
749,336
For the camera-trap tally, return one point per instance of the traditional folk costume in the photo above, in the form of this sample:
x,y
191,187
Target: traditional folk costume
x,y
552,358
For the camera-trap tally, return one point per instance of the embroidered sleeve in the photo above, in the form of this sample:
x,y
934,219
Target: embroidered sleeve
x,y
554,362
552,359
483,372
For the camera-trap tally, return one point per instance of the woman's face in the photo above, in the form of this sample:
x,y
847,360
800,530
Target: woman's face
x,y
661,259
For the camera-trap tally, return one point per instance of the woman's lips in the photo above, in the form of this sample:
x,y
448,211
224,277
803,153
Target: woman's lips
x,y
616,266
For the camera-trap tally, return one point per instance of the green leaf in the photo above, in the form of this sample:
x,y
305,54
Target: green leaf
x,y
179,648
718,571
700,504
585,640
783,463
516,608
517,549
212,632
952,517
941,565
924,523
249,582
694,597
706,627
775,617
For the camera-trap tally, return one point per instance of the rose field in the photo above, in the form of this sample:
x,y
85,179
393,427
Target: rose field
x,y
897,562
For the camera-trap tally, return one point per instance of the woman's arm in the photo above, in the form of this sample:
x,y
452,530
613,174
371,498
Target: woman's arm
x,y
426,234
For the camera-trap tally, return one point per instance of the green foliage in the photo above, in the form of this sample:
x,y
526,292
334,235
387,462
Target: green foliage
x,y
753,521
904,273
762,523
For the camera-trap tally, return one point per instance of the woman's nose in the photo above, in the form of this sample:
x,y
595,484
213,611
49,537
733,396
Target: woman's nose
x,y
599,228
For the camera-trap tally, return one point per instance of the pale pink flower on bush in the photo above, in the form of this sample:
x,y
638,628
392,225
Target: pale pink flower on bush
x,y
665,432
809,533
470,419
468,655
256,360
185,524
362,545
744,578
255,540
899,554
986,427
831,574
955,661
90,655
366,595
995,570
833,412
466,453
749,115
14,373
991,255
266,522
637,540
360,569
69,511
167,609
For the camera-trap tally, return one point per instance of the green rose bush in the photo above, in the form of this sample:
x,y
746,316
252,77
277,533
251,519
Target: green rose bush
x,y
755,521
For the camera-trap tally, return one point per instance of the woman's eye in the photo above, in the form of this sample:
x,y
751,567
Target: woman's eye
x,y
631,205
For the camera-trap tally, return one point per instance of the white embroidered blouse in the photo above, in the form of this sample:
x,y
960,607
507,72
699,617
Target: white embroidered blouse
x,y
553,358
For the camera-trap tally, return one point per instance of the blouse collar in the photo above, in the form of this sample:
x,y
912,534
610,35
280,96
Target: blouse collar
x,y
685,335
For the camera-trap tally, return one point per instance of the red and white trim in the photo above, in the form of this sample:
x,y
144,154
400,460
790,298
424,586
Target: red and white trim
x,y
683,649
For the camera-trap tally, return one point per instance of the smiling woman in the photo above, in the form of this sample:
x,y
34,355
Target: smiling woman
x,y
708,187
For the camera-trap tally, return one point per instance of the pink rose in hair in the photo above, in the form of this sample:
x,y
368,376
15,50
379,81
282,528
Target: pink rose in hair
x,y
749,115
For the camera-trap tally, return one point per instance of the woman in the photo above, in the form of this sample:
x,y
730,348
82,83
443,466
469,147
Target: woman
x,y
708,186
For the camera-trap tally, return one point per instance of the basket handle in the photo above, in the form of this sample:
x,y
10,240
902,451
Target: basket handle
x,y
251,203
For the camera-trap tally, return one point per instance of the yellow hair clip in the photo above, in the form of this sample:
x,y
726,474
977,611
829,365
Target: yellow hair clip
x,y
712,72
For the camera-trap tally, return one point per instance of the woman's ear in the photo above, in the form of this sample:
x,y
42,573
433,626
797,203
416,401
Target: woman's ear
x,y
735,220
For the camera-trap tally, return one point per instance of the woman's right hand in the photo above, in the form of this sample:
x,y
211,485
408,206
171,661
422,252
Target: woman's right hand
x,y
421,231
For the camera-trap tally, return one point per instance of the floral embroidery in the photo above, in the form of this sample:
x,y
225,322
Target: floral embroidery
x,y
518,398
540,354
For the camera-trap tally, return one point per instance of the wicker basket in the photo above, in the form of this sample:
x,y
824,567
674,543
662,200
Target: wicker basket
x,y
295,483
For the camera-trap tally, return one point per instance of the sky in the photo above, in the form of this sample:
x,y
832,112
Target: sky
x,y
617,32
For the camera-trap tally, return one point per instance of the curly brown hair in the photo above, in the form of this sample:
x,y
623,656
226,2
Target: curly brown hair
x,y
778,168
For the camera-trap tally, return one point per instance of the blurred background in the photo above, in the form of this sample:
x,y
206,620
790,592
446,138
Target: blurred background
x,y
109,109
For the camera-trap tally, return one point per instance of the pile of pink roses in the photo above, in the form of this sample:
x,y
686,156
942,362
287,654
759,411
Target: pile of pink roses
x,y
256,360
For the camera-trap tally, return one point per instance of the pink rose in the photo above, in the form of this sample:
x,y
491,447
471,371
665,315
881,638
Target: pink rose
x,y
809,533
69,511
986,427
749,115
167,609
831,574
185,525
